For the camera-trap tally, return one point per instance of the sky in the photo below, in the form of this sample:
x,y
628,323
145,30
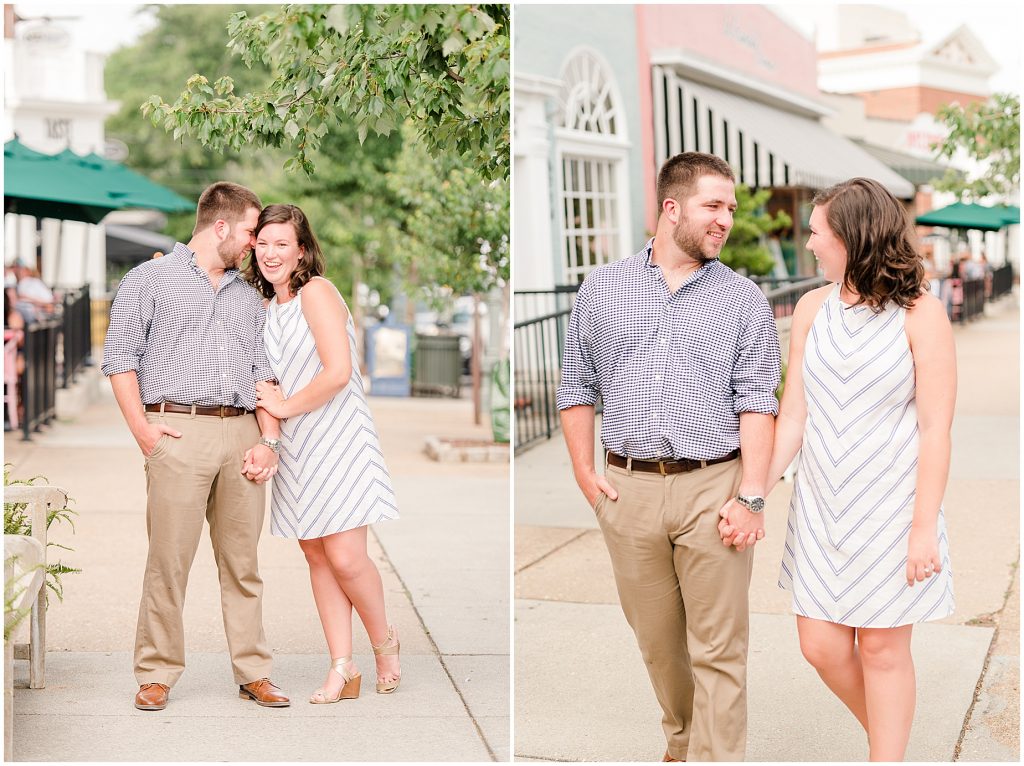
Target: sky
x,y
104,27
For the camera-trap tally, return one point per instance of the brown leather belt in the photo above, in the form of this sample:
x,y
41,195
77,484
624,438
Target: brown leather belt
x,y
665,467
220,411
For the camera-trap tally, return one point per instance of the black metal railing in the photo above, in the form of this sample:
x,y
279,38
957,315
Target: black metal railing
x,y
538,347
39,380
1002,281
530,304
964,298
75,334
783,298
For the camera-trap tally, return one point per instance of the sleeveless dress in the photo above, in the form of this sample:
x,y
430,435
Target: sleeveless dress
x,y
331,475
853,500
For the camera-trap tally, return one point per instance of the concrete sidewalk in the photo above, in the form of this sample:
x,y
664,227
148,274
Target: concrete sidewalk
x,y
445,571
582,692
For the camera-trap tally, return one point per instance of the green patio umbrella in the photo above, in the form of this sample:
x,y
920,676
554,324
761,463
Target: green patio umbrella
x,y
1011,213
137,190
964,215
71,187
47,186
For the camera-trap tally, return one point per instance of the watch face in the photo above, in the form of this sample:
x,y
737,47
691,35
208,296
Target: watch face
x,y
753,504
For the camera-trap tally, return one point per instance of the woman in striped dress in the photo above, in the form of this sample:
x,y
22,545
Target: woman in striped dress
x,y
869,403
332,481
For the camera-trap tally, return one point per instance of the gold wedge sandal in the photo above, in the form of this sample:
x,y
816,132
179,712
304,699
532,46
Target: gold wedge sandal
x,y
348,691
384,648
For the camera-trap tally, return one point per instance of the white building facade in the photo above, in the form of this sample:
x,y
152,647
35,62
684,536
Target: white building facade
x,y
54,100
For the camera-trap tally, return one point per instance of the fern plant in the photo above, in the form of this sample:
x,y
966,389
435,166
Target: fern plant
x,y
17,522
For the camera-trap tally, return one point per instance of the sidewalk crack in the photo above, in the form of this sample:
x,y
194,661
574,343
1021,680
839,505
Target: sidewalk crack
x,y
552,551
436,649
988,659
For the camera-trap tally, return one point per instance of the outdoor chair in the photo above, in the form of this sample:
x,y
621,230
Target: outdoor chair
x,y
40,500
11,340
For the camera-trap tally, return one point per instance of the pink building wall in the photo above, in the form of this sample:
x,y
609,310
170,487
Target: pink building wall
x,y
747,39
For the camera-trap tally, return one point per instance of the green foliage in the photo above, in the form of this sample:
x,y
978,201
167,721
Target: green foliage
x,y
990,133
186,39
457,225
355,214
751,223
17,522
445,68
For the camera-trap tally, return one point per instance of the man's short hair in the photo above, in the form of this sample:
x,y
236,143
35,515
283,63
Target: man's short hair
x,y
224,200
678,177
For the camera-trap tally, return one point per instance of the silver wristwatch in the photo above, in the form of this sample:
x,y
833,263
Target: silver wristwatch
x,y
274,444
754,503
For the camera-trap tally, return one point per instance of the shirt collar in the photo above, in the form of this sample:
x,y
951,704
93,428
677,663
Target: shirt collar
x,y
186,255
654,271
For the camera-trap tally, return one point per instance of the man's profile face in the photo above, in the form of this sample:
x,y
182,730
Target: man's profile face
x,y
706,218
239,241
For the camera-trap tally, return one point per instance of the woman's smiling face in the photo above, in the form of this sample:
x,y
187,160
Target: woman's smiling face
x,y
827,248
278,252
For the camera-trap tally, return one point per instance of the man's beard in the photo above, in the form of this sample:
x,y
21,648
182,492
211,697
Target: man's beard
x,y
690,240
228,254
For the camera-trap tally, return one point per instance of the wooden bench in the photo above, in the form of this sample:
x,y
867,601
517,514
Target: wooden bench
x,y
40,500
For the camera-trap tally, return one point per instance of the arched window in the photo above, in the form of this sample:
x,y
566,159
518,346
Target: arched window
x,y
592,155
586,98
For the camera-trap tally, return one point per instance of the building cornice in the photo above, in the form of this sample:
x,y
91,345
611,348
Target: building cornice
x,y
74,108
536,85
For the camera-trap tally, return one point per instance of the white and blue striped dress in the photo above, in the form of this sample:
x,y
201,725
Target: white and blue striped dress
x,y
853,501
331,476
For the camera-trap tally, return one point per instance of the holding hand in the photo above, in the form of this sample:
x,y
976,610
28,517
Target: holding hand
x,y
739,526
270,397
259,463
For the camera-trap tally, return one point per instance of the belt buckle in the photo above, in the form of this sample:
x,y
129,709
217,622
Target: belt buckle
x,y
220,409
661,467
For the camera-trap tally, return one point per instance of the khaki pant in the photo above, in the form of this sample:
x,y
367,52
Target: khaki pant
x,y
189,479
685,596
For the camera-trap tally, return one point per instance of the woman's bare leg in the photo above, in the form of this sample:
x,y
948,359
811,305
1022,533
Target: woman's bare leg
x,y
831,650
359,579
334,608
890,689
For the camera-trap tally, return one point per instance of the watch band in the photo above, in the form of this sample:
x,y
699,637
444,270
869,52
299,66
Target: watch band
x,y
274,444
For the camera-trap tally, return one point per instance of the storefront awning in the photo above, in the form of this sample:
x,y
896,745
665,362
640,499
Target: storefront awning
x,y
917,170
781,146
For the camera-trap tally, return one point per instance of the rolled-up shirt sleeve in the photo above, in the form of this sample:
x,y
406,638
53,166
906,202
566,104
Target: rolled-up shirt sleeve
x,y
578,385
130,316
756,373
261,365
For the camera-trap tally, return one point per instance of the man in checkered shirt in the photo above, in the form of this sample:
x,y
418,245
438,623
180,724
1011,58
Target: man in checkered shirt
x,y
685,356
183,353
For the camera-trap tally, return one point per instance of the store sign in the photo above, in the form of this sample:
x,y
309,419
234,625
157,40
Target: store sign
x,y
58,128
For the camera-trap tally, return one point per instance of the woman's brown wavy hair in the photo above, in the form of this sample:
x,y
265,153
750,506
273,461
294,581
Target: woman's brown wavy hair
x,y
883,263
310,265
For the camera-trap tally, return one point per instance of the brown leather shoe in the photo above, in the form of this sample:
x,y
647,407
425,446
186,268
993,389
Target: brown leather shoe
x,y
152,697
669,759
263,692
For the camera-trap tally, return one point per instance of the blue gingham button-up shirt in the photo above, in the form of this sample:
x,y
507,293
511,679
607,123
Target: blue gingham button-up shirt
x,y
186,342
675,370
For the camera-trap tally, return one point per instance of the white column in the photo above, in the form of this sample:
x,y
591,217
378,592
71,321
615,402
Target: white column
x,y
533,193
